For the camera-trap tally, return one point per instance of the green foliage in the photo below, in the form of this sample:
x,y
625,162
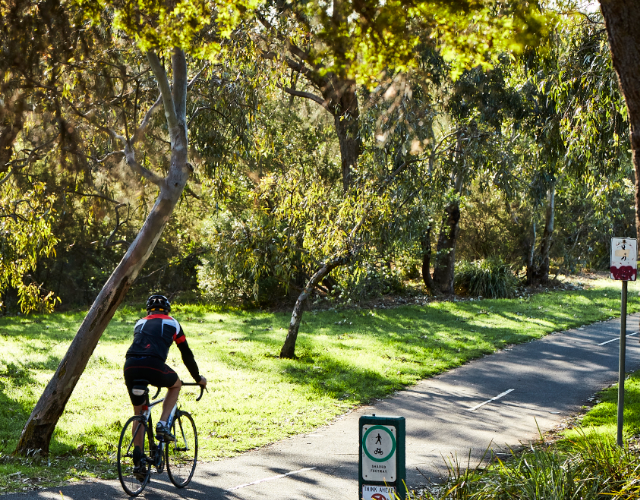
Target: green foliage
x,y
595,469
197,27
246,261
366,279
25,237
490,278
362,39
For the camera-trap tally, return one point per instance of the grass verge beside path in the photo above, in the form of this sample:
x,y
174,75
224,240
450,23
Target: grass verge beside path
x,y
346,358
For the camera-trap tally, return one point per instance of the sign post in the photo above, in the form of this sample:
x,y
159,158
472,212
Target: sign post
x,y
624,267
382,470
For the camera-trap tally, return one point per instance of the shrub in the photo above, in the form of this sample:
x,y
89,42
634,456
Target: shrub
x,y
490,278
594,467
366,280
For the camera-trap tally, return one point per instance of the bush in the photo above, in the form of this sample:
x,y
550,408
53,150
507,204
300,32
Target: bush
x,y
490,278
366,280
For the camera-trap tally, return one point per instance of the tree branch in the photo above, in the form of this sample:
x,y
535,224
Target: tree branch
x,y
145,121
93,195
6,177
147,117
139,169
109,241
179,66
307,95
107,130
291,47
165,90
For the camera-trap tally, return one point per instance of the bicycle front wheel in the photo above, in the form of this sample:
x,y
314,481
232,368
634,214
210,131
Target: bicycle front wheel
x,y
133,477
182,454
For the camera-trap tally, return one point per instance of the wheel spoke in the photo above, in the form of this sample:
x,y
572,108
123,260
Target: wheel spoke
x,y
183,453
133,477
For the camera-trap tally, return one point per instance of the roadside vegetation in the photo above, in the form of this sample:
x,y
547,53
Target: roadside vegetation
x,y
255,397
583,462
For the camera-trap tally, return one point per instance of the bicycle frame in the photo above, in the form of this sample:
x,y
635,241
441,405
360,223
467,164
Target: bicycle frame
x,y
158,453
156,449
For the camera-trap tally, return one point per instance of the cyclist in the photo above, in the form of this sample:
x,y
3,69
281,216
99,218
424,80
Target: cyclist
x,y
146,359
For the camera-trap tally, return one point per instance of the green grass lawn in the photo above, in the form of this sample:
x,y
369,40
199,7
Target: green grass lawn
x,y
603,417
346,358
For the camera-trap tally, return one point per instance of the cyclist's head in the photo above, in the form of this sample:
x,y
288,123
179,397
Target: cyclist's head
x,y
158,303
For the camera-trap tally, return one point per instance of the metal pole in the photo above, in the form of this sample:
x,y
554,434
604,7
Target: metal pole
x,y
623,346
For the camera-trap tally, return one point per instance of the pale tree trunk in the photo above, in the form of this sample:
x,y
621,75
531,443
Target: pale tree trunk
x,y
289,346
622,20
39,428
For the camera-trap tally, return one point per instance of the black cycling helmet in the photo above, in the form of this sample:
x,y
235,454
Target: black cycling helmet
x,y
158,302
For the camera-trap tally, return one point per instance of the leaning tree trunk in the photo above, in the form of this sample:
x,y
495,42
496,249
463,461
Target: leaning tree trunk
x,y
341,100
39,428
622,19
443,272
288,350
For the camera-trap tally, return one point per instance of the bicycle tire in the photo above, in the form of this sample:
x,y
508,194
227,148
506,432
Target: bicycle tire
x,y
131,484
182,454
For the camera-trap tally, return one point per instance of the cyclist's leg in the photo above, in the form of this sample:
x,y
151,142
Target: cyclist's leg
x,y
138,437
133,373
170,399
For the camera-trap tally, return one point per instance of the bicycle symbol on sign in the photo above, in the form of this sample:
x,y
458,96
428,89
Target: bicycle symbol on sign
x,y
377,451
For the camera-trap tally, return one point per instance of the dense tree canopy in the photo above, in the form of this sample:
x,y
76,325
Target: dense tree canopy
x,y
306,151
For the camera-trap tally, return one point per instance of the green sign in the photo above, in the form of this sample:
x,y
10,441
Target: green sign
x,y
381,468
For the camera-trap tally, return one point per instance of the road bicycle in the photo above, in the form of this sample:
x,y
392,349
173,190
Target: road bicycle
x,y
180,456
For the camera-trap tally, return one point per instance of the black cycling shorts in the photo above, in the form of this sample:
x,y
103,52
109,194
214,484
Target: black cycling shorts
x,y
154,370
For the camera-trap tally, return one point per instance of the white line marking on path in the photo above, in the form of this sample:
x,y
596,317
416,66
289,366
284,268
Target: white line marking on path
x,y
618,338
489,400
270,478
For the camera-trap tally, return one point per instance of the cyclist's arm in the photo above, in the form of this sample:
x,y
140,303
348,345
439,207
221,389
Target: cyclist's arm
x,y
187,356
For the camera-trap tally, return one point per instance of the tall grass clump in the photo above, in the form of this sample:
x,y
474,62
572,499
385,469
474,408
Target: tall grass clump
x,y
592,467
489,278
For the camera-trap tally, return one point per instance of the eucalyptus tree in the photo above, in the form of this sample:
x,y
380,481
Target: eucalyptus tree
x,y
470,137
352,43
161,41
621,20
572,121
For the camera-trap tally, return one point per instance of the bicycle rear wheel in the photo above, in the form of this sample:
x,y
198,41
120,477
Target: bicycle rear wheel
x,y
182,454
133,483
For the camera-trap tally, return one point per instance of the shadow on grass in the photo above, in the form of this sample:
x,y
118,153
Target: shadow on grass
x,y
14,410
420,341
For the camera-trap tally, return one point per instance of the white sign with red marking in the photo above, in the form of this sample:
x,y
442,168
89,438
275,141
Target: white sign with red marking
x,y
370,492
624,259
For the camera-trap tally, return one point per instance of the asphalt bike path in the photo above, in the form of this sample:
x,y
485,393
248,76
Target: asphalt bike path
x,y
497,402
